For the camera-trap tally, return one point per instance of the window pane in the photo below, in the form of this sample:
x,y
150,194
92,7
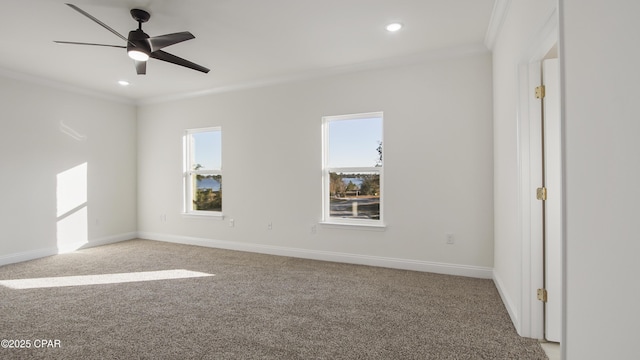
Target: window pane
x,y
207,148
207,194
355,143
354,196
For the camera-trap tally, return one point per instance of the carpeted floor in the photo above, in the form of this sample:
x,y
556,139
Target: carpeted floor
x,y
254,307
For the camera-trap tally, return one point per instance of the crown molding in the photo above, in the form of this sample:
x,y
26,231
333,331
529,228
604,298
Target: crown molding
x,y
54,84
453,52
499,13
440,54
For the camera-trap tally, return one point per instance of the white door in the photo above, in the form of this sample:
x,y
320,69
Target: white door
x,y
553,204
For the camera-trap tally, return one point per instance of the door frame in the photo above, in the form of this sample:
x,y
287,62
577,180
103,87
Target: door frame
x,y
530,210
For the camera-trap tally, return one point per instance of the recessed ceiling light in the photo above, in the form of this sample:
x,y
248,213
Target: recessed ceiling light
x,y
393,27
123,82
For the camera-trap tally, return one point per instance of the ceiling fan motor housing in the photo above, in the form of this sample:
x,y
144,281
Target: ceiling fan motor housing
x,y
138,41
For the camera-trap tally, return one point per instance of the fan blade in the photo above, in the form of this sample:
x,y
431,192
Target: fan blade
x,y
141,67
165,56
97,21
158,42
83,43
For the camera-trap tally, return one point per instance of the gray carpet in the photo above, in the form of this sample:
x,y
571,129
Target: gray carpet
x,y
255,307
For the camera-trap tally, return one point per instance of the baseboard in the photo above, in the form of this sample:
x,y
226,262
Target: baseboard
x,y
49,251
105,240
394,263
508,303
27,255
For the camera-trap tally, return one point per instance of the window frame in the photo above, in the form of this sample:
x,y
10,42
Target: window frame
x,y
326,170
188,172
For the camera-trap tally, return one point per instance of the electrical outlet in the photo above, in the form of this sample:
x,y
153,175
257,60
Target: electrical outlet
x,y
270,226
232,223
314,229
450,239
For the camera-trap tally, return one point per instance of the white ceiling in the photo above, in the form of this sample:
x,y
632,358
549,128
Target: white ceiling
x,y
243,42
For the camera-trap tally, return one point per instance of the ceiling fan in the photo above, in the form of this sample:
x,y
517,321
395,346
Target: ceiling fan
x,y
140,46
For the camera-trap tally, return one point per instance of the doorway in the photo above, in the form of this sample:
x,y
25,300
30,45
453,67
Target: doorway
x,y
538,224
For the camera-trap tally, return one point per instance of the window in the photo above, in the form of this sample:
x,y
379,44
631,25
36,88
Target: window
x,y
352,169
203,171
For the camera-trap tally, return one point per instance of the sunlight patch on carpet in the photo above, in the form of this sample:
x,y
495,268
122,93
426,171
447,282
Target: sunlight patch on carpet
x,y
101,279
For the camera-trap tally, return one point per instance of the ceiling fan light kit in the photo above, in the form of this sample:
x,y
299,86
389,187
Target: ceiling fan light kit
x,y
137,55
140,46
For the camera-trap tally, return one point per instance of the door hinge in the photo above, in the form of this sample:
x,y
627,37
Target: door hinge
x,y
542,295
541,193
540,92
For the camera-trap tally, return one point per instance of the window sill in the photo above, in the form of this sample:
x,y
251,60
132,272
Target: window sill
x,y
353,226
203,215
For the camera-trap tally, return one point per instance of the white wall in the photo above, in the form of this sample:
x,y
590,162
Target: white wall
x,y
438,166
601,77
45,206
523,23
